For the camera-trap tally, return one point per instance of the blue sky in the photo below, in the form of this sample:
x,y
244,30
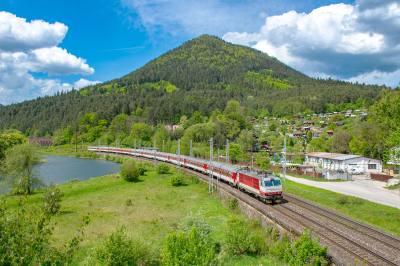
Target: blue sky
x,y
54,45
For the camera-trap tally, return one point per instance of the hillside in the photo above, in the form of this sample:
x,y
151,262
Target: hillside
x,y
202,74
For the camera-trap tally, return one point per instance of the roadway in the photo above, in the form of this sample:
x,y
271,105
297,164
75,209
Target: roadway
x,y
361,187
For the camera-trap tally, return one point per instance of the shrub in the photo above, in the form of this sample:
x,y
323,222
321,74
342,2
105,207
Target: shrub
x,y
142,168
357,201
25,236
162,168
237,236
342,200
129,171
51,198
191,249
306,251
78,155
195,220
107,157
95,155
119,249
177,179
128,202
234,204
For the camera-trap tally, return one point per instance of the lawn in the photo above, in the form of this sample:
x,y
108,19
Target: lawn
x,y
382,216
156,210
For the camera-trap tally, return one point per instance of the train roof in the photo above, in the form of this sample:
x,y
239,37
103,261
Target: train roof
x,y
259,174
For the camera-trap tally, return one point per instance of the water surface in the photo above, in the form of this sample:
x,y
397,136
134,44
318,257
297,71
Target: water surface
x,y
61,169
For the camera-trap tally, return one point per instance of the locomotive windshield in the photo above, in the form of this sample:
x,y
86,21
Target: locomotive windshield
x,y
275,182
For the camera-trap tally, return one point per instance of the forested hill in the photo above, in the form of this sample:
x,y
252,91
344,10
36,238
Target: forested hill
x,y
201,75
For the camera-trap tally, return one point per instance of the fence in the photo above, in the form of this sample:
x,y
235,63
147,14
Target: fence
x,y
380,177
333,175
297,172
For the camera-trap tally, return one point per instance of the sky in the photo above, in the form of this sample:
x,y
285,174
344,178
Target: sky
x,y
48,46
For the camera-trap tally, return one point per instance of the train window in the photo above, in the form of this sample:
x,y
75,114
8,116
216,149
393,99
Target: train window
x,y
268,183
276,182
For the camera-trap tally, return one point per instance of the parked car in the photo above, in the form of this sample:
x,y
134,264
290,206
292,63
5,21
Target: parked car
x,y
340,171
356,171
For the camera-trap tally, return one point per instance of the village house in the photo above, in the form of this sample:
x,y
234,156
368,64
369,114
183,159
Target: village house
x,y
171,127
336,161
42,142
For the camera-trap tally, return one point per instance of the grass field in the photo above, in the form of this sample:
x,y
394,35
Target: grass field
x,y
382,216
156,210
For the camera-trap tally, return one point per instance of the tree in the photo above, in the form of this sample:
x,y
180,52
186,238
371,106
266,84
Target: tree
x,y
272,127
9,140
197,117
139,112
309,136
235,151
245,140
19,168
340,142
366,139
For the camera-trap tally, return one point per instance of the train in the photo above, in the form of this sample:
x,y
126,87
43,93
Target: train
x,y
261,184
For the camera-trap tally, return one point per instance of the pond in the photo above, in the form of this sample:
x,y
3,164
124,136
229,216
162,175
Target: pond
x,y
61,169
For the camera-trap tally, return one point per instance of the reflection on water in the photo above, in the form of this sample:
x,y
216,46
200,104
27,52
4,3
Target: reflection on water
x,y
61,169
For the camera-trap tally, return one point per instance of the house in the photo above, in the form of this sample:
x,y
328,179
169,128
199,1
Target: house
x,y
306,128
297,128
339,124
318,133
171,127
265,148
264,142
298,134
43,142
336,161
255,136
330,132
310,122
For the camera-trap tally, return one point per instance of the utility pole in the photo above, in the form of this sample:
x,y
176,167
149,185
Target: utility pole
x,y
284,159
98,144
140,144
155,141
82,144
191,148
218,154
162,145
116,146
227,151
211,182
179,155
134,151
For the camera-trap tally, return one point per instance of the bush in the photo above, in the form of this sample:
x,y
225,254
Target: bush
x,y
78,155
142,166
51,198
306,251
162,168
342,200
95,155
119,249
129,171
234,204
195,220
237,236
177,179
191,249
107,157
241,238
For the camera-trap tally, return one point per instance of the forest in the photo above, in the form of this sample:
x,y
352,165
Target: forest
x,y
202,75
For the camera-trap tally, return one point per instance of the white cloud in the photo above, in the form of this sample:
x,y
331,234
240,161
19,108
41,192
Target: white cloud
x,y
340,40
30,47
84,82
17,35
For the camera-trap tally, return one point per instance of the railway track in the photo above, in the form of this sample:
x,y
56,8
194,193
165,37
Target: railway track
x,y
330,234
383,237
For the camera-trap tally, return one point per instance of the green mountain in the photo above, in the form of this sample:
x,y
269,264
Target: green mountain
x,y
203,74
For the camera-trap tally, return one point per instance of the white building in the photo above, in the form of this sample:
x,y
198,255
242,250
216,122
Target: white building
x,y
336,161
